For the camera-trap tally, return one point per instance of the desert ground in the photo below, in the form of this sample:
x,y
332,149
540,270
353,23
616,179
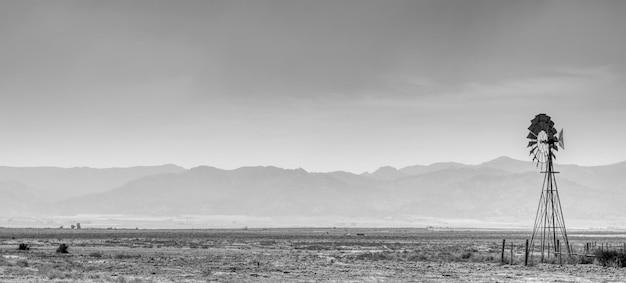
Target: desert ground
x,y
290,255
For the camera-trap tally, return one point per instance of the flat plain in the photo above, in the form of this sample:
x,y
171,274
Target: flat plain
x,y
291,255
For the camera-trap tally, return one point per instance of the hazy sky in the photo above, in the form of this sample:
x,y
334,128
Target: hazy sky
x,y
323,85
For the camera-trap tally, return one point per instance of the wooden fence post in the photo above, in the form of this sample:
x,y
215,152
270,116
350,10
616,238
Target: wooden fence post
x,y
511,262
558,244
502,256
526,254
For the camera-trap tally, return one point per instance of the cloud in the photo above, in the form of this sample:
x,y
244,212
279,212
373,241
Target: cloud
x,y
560,83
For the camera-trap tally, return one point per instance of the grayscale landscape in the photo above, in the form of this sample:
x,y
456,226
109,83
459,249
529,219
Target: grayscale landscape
x,y
312,141
499,193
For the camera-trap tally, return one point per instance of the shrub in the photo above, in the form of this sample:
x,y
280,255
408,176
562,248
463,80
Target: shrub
x,y
62,249
417,257
466,255
22,263
96,254
585,259
23,247
126,256
612,258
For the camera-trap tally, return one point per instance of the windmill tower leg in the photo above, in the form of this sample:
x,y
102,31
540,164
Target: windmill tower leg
x,y
549,221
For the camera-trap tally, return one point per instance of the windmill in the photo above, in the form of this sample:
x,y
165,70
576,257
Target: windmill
x,y
549,231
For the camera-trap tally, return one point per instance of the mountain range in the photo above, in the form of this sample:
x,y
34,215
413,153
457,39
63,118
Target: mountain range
x,y
502,189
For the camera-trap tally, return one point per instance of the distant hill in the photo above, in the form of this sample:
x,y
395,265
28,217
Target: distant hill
x,y
385,173
502,189
247,191
53,183
17,198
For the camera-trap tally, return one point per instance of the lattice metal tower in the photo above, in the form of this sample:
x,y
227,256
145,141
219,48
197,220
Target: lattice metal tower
x,y
549,232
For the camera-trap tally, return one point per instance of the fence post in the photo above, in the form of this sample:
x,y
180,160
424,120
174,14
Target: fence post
x,y
526,254
502,256
558,244
511,262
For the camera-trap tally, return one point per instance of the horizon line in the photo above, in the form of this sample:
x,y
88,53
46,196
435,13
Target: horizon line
x,y
296,168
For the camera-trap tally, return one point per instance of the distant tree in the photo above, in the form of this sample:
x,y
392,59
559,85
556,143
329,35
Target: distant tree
x,y
72,226
61,227
77,225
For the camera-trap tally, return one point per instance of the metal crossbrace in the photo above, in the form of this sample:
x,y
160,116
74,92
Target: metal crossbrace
x,y
549,227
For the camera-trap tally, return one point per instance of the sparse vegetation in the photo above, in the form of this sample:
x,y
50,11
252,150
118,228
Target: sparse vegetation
x,y
126,256
376,256
585,259
63,249
466,255
22,263
612,258
96,254
415,255
129,255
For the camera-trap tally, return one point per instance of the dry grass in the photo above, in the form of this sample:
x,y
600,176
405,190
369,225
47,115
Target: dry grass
x,y
282,255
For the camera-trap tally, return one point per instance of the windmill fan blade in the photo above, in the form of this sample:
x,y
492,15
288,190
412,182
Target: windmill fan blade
x,y
537,165
553,131
536,157
543,117
542,125
536,119
544,139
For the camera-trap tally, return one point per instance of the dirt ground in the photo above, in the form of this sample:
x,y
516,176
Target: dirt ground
x,y
291,255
